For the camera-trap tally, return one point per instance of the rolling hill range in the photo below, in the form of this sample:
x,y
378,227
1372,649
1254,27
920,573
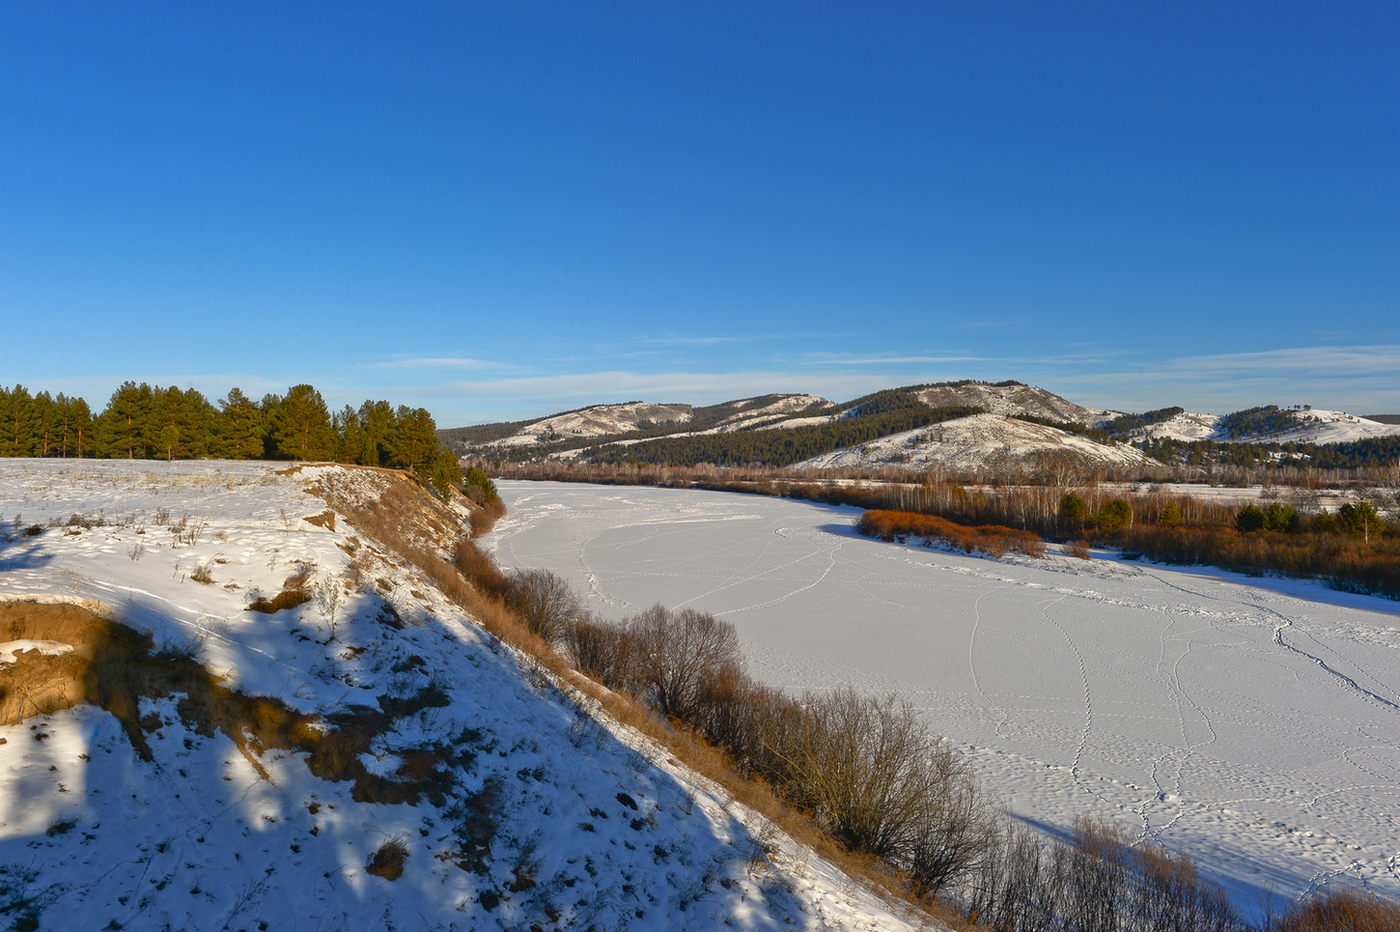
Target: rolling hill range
x,y
967,424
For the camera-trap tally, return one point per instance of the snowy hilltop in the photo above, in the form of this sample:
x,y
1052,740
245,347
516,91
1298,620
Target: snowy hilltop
x,y
227,707
1272,424
968,424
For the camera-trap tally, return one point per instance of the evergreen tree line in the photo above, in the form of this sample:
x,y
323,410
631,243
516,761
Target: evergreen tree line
x,y
1370,453
142,422
1254,422
1126,423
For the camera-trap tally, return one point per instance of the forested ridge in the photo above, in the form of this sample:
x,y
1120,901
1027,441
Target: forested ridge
x,y
145,422
701,418
887,412
1352,454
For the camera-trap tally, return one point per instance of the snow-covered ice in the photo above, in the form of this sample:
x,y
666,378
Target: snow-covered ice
x,y
1254,724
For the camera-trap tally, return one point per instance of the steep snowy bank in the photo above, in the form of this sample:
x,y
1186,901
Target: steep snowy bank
x,y
475,796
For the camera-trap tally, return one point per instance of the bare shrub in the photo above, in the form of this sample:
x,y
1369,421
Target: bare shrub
x,y
872,776
674,654
480,570
202,574
545,602
600,651
1340,911
329,595
485,517
1103,879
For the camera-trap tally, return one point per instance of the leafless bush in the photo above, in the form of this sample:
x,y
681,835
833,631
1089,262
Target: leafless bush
x,y
480,570
674,654
599,650
876,780
329,595
191,530
1101,881
1339,911
545,602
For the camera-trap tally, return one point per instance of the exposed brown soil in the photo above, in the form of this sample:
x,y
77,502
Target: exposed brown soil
x,y
113,666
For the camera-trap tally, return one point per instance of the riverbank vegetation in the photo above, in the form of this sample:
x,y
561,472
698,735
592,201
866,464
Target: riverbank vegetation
x,y
892,803
1351,548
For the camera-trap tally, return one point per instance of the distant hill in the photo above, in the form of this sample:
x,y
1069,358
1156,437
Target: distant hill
x,y
580,427
1012,399
1271,424
967,423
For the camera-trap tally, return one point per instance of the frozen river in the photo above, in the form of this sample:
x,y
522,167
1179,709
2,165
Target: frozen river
x,y
1256,727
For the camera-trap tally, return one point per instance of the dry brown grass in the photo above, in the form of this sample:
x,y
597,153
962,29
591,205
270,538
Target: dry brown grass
x,y
114,667
387,861
325,519
296,590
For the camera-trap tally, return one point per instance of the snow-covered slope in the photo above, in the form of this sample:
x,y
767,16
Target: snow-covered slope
x,y
598,421
1318,426
389,722
1184,426
981,440
771,413
1012,398
610,420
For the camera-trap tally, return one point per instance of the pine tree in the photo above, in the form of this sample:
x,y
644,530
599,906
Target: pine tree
x,y
81,424
181,423
415,438
302,425
124,428
444,471
16,422
239,427
44,424
349,439
377,429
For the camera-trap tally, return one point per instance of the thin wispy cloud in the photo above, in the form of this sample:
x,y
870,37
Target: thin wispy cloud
x,y
694,341
839,360
692,387
1359,379
1351,360
434,362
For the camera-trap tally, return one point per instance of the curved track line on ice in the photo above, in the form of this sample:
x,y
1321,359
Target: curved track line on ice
x,y
1146,694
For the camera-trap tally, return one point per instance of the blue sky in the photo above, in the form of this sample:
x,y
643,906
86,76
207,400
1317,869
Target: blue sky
x,y
501,210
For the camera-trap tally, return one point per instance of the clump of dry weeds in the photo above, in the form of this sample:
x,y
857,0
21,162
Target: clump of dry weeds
x,y
387,861
296,590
